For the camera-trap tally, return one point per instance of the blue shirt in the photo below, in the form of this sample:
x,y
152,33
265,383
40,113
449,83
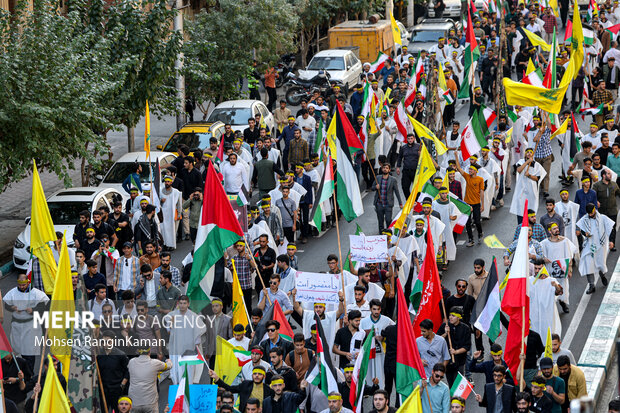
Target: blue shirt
x,y
385,72
582,199
90,282
288,133
440,398
127,182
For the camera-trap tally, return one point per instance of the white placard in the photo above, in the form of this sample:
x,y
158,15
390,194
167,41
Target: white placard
x,y
313,287
369,248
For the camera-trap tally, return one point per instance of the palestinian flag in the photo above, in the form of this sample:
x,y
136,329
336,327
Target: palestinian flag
x,y
379,62
348,263
321,372
447,96
348,195
192,360
486,311
341,132
592,10
474,135
588,36
286,332
367,353
471,55
181,401
614,30
409,367
575,138
323,194
218,229
219,157
464,210
461,387
593,111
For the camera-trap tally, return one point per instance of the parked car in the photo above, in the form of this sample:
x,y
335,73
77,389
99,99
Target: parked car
x,y
342,65
65,207
237,113
123,166
404,33
425,34
193,135
453,8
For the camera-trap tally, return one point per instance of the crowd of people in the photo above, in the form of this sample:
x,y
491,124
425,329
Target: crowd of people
x,y
122,259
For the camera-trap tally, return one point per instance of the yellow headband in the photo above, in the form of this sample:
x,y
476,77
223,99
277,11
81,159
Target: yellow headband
x,y
348,369
291,247
458,402
564,190
553,224
277,381
240,242
334,397
485,149
532,214
319,304
473,167
443,191
125,399
307,163
542,386
90,230
23,282
168,178
457,315
216,301
386,233
497,353
259,371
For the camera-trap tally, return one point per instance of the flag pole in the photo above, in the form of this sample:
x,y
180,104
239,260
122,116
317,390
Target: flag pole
x,y
522,361
2,389
344,296
443,306
260,277
36,396
105,403
244,306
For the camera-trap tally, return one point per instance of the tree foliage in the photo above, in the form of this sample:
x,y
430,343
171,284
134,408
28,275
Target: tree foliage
x,y
224,40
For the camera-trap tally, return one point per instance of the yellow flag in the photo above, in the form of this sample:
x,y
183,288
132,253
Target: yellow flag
x,y
542,271
530,67
441,79
549,100
53,397
62,304
502,285
413,403
331,138
262,122
537,41
554,7
492,241
577,51
508,135
226,363
372,122
239,312
147,131
562,129
386,97
426,169
548,350
42,232
395,31
423,131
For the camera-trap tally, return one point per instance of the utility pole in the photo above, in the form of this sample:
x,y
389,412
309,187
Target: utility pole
x,y
179,82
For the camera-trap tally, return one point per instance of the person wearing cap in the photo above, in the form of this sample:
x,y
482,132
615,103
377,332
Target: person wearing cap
x,y
22,301
172,210
498,395
596,229
144,372
460,335
126,270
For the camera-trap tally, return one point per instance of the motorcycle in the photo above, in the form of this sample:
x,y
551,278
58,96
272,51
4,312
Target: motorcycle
x,y
304,89
285,66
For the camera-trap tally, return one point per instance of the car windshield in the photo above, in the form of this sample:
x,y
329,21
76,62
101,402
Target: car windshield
x,y
190,139
121,170
326,63
426,36
67,213
234,116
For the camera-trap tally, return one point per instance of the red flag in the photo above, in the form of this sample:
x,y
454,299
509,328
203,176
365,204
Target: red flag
x,y
285,328
516,301
431,287
5,347
568,31
409,367
469,35
220,151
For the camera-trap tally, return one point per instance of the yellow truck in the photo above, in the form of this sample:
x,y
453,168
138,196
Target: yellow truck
x,y
371,38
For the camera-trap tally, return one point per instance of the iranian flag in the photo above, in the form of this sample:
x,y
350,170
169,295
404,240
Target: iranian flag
x,y
321,372
516,300
486,310
411,89
218,229
575,139
427,289
419,69
181,401
403,124
422,89
379,62
461,387
409,367
367,353
534,78
324,193
550,80
476,132
286,332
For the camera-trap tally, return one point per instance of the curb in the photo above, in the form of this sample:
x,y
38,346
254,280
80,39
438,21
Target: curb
x,y
6,269
597,354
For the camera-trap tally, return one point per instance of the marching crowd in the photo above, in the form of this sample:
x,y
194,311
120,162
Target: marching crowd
x,y
122,269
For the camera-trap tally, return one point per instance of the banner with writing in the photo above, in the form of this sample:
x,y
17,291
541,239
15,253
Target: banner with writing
x,y
313,287
369,248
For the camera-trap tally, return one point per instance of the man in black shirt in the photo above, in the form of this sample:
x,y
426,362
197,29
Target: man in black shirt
x,y
460,299
15,372
113,368
266,260
342,342
103,227
533,351
310,343
90,244
541,402
251,133
460,335
344,388
389,364
190,176
79,232
408,159
121,224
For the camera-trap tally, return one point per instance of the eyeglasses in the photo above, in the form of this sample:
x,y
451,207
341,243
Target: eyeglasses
x,y
439,376
107,311
271,330
141,310
273,282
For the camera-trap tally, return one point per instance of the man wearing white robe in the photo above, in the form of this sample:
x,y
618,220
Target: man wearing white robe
x,y
22,301
186,330
255,230
558,253
372,290
492,184
518,142
449,213
569,211
377,322
596,229
543,310
329,319
529,176
171,208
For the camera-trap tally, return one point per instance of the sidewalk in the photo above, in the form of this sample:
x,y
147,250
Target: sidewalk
x,y
16,199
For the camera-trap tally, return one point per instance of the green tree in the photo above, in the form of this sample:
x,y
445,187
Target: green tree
x,y
53,84
223,41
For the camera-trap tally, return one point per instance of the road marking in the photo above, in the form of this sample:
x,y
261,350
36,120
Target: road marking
x,y
576,320
461,242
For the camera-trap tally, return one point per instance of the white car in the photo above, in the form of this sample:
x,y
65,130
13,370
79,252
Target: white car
x,y
404,33
342,65
237,112
123,167
65,207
